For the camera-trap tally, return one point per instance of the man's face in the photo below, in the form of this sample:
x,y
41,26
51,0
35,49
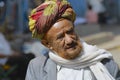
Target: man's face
x,y
63,40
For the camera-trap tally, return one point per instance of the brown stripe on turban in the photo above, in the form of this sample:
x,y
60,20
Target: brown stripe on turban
x,y
45,15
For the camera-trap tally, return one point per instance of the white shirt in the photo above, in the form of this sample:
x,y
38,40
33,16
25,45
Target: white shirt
x,y
72,74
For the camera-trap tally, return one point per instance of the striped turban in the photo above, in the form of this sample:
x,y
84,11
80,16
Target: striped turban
x,y
45,15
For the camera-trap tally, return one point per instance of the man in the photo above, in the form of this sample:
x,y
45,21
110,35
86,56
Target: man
x,y
91,16
69,58
99,8
14,62
5,50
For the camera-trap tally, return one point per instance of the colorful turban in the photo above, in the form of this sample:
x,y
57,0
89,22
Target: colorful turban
x,y
45,15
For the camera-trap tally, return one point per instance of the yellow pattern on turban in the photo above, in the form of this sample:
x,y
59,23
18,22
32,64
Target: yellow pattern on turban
x,y
45,15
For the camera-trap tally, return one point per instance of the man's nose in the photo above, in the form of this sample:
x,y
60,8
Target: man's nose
x,y
68,39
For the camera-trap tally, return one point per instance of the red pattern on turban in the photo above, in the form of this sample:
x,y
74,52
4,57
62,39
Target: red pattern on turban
x,y
45,15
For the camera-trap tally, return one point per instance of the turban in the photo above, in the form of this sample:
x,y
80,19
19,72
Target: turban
x,y
45,15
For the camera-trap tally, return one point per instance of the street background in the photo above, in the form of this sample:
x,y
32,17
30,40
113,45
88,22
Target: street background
x,y
101,29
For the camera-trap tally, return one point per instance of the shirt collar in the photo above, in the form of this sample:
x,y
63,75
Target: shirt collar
x,y
59,68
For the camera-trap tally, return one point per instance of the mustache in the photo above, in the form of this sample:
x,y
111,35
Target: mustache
x,y
71,45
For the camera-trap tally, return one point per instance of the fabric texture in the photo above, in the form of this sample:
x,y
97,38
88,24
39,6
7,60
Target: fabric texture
x,y
90,57
42,17
77,74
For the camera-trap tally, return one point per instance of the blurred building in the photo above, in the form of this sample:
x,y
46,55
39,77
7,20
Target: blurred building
x,y
14,14
113,9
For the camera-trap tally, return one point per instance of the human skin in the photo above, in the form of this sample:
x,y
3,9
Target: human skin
x,y
62,39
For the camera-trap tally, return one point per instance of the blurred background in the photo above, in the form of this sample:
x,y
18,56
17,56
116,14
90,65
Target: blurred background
x,y
97,22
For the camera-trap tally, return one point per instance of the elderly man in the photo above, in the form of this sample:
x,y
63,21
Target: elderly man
x,y
69,58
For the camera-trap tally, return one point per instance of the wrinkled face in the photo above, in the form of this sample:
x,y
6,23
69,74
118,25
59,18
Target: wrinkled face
x,y
63,40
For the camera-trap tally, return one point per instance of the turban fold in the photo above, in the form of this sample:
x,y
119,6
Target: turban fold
x,y
45,15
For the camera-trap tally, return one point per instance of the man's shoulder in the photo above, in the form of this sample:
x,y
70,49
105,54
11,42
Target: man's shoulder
x,y
111,66
38,61
109,62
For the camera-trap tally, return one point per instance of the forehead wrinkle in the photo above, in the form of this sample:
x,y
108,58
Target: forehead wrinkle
x,y
60,32
68,28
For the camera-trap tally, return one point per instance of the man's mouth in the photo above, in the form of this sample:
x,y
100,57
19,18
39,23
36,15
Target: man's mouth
x,y
70,47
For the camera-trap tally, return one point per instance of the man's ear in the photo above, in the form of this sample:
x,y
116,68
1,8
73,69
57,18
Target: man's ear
x,y
45,43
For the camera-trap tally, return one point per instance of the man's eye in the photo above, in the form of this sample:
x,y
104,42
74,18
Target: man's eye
x,y
60,37
70,31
